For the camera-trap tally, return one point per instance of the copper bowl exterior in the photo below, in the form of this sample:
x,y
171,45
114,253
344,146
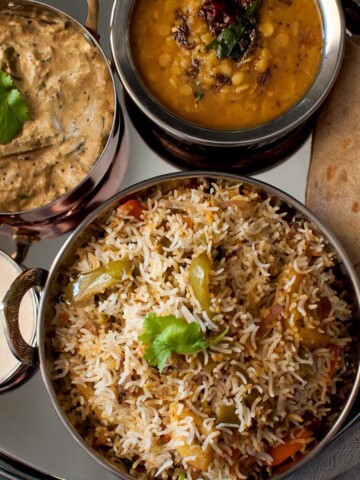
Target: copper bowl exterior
x,y
63,214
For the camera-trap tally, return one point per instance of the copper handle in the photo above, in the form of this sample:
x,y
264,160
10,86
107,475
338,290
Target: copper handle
x,y
93,17
25,353
23,242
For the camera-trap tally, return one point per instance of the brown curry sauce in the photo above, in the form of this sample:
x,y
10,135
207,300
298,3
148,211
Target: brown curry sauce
x,y
67,86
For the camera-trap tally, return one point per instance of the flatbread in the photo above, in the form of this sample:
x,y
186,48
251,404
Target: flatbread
x,y
333,188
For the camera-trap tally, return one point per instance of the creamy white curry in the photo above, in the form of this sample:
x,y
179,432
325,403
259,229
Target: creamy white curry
x,y
67,86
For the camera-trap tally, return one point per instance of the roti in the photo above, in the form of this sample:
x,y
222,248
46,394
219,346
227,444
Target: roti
x,y
333,188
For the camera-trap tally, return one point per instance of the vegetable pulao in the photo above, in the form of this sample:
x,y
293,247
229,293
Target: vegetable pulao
x,y
201,333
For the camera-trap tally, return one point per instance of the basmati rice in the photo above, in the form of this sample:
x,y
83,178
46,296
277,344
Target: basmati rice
x,y
270,271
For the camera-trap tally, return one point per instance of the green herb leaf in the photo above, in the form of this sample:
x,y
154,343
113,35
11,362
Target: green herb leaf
x,y
198,94
13,109
166,335
227,43
218,338
252,9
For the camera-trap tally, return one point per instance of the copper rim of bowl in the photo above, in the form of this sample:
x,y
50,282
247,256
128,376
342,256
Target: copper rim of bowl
x,y
69,200
332,56
143,188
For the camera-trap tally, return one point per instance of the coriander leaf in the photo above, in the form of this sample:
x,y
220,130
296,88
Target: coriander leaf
x,y
13,109
181,337
5,81
18,106
154,325
157,355
166,335
161,352
218,338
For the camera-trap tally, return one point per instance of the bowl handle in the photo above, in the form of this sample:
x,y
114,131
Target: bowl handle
x,y
23,243
25,353
93,17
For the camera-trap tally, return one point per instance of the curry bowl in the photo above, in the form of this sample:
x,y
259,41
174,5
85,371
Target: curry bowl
x,y
56,166
196,102
167,250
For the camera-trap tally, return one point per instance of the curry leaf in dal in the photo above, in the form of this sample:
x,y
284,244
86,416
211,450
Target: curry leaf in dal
x,y
235,39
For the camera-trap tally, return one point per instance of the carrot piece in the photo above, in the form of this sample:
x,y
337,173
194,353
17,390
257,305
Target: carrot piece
x,y
133,208
284,467
287,449
335,353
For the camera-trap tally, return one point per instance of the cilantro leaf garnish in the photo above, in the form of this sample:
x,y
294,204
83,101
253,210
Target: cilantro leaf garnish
x,y
13,109
166,335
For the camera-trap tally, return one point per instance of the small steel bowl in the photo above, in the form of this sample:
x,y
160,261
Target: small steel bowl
x,y
192,146
50,281
65,212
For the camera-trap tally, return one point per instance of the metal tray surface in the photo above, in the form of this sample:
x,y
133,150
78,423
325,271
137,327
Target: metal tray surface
x,y
34,444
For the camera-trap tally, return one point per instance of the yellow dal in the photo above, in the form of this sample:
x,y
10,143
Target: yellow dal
x,y
290,46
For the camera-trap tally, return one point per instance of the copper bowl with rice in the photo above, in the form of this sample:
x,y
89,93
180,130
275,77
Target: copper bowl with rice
x,y
195,324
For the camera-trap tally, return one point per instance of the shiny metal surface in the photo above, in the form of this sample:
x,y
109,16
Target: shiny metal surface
x,y
12,469
333,50
13,371
143,188
32,433
34,444
189,155
23,351
50,220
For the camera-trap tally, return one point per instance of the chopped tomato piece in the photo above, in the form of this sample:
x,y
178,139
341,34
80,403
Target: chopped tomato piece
x,y
132,207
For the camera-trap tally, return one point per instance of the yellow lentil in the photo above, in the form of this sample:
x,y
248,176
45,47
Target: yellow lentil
x,y
186,90
282,39
267,29
164,60
163,30
242,88
237,78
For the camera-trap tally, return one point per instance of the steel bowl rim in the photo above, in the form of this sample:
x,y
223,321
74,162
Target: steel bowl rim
x,y
154,181
46,211
332,57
